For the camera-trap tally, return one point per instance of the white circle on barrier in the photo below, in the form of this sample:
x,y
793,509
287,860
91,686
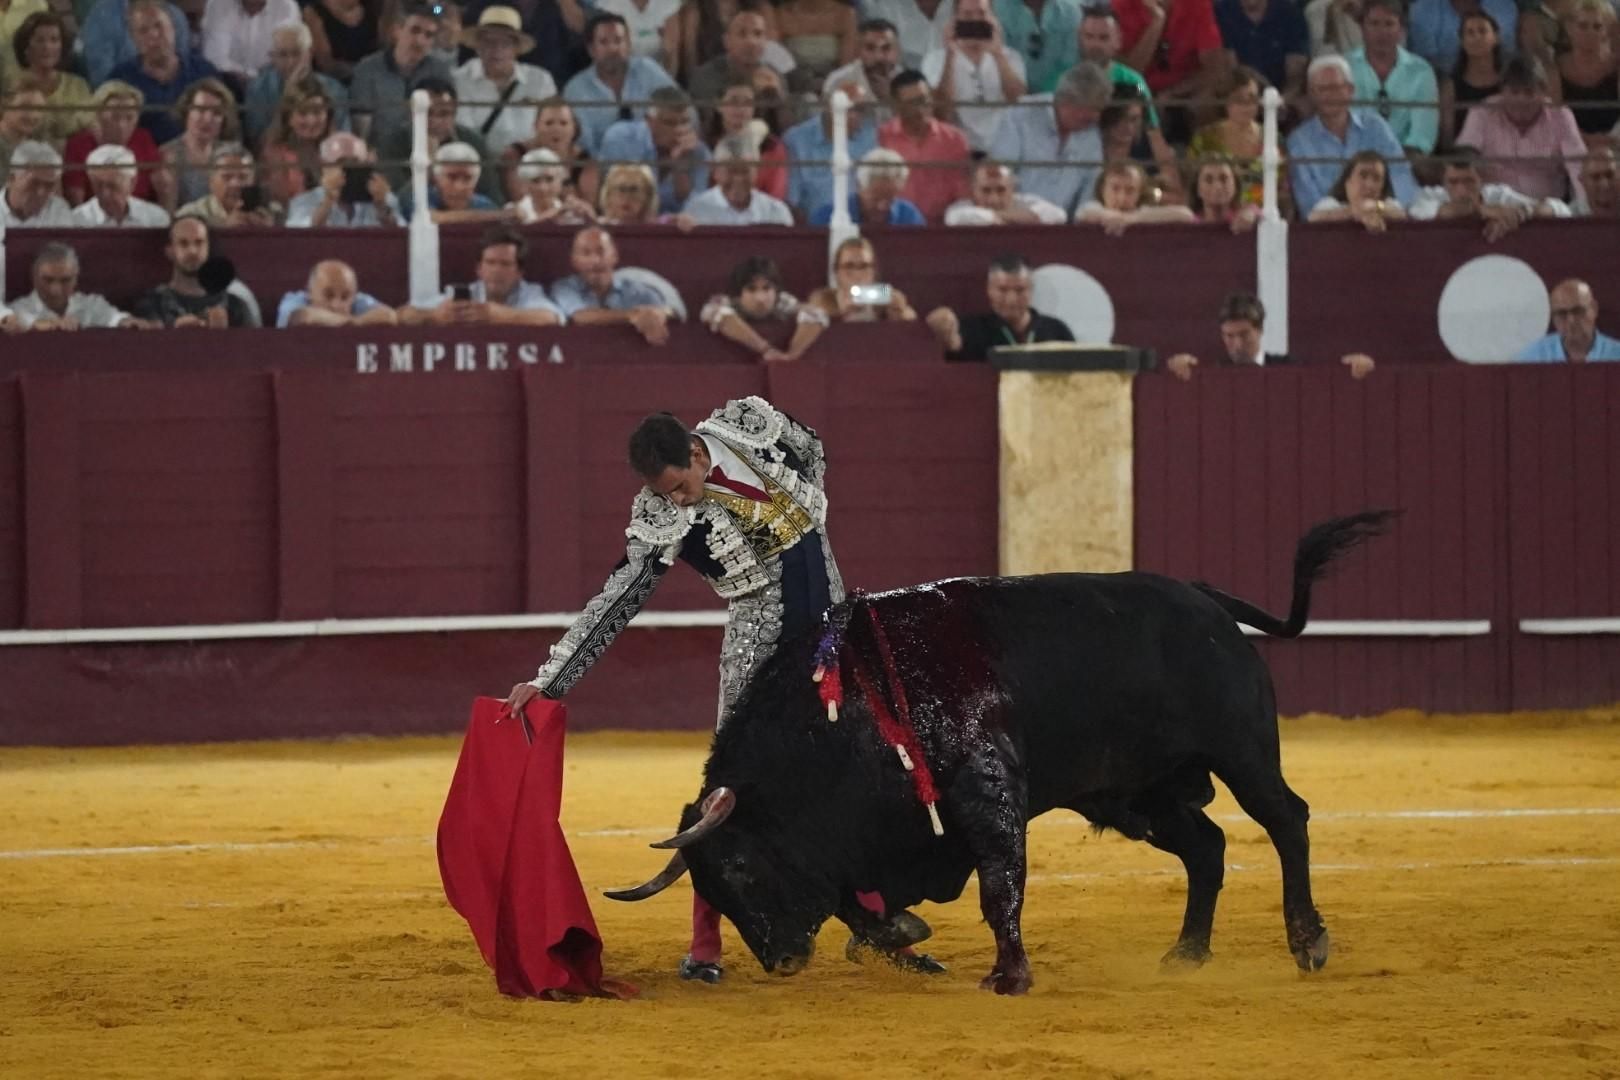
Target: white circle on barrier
x,y
1491,308
1076,298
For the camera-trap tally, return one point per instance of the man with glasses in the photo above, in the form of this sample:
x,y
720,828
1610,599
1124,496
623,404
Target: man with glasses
x,y
1046,35
1318,148
1399,84
1575,338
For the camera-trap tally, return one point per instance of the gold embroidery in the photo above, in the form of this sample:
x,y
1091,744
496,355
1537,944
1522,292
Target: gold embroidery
x,y
770,528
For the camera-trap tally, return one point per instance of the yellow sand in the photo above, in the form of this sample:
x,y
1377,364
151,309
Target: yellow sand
x,y
1467,946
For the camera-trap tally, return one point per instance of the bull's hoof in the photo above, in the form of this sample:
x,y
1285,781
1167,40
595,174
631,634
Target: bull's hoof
x,y
1185,956
1314,956
1010,983
900,930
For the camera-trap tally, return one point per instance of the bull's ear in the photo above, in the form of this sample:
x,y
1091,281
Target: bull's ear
x,y
716,808
665,878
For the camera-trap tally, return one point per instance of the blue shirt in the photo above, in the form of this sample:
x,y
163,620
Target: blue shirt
x,y
571,295
1434,30
436,202
1550,350
525,296
632,140
811,186
297,301
1031,134
107,43
901,212
301,212
264,95
163,124
1050,46
1313,180
1412,79
1265,45
587,89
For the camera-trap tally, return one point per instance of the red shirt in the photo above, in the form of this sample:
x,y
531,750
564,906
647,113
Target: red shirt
x,y
772,178
76,185
931,187
1189,29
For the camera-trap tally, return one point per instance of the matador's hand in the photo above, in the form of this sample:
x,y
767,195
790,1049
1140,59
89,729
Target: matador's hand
x,y
521,695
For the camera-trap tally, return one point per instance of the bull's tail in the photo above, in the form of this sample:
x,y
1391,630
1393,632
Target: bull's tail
x,y
1317,548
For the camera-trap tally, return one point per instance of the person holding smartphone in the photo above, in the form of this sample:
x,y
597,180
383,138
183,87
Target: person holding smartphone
x,y
352,195
974,71
856,295
500,294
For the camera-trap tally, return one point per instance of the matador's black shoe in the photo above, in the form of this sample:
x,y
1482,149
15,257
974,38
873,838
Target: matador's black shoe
x,y
859,950
701,971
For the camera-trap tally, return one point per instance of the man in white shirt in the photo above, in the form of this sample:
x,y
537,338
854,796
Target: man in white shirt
x,y
56,302
498,93
734,200
996,200
31,199
111,170
1463,193
236,33
974,70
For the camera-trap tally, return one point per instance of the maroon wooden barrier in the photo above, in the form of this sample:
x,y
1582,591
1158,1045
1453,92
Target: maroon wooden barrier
x,y
1350,290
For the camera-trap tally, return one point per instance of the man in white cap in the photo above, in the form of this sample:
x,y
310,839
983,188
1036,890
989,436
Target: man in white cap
x,y
111,170
352,194
498,94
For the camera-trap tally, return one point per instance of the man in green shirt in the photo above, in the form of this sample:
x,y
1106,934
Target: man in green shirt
x,y
1099,43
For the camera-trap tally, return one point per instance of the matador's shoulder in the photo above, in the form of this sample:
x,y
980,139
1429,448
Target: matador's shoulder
x,y
659,523
750,422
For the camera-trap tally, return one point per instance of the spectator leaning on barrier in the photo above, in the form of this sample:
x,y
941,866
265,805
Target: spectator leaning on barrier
x,y
1010,321
1216,196
1575,338
1057,138
1533,145
1463,193
379,93
56,302
880,176
667,142
8,320
1242,319
975,72
333,298
994,199
810,185
290,63
31,200
232,198
503,93
734,200
598,293
1362,194
613,77
498,295
185,300
855,270
1318,148
394,152
1400,85
937,152
1117,204
547,198
1600,193
753,294
352,193
236,34
161,71
112,179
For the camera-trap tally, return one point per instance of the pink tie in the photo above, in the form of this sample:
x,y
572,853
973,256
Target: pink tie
x,y
747,491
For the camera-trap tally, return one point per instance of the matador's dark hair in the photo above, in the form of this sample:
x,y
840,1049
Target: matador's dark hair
x,y
660,442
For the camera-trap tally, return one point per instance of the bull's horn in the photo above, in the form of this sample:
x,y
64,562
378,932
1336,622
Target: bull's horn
x,y
716,808
666,877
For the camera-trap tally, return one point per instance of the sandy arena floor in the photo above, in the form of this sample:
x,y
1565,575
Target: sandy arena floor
x,y
274,910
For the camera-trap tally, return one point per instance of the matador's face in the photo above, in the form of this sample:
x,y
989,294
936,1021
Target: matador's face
x,y
683,487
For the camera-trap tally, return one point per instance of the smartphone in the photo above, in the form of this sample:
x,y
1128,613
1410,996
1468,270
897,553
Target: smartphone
x,y
974,29
252,198
356,186
874,295
461,292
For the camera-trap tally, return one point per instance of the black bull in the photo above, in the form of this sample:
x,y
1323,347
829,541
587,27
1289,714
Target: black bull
x,y
1113,695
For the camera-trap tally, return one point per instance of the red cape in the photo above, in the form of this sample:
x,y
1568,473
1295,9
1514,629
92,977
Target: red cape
x,y
505,863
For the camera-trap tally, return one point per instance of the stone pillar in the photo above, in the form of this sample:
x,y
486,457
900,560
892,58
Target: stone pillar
x,y
1066,460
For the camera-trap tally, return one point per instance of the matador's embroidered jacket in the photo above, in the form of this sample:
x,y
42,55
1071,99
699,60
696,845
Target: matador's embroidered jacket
x,y
767,555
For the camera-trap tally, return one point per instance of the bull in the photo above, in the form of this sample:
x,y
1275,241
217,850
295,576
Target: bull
x,y
1117,696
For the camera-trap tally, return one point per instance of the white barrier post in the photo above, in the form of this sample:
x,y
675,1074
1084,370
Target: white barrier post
x,y
424,234
841,227
1271,239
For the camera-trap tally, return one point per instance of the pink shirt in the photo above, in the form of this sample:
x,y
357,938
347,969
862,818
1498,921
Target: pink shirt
x,y
931,187
1553,138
